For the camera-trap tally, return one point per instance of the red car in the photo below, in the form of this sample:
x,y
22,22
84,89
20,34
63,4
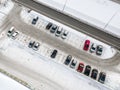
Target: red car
x,y
86,45
80,67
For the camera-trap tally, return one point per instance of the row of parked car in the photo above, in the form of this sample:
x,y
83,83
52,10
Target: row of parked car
x,y
34,45
88,71
98,49
59,32
12,33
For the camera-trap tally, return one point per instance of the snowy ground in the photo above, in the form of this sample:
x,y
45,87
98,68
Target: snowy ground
x,y
5,10
75,38
7,83
68,78
40,62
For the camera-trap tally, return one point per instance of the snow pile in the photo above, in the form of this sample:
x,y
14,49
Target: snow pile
x,y
7,83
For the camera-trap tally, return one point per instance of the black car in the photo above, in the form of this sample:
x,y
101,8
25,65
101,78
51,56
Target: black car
x,y
94,74
49,25
31,44
102,77
99,50
87,70
34,21
68,60
54,53
53,28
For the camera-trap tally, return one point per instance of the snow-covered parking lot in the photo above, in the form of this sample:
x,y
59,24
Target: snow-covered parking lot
x,y
40,62
74,38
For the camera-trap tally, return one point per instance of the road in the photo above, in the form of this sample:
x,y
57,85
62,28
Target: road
x,y
72,22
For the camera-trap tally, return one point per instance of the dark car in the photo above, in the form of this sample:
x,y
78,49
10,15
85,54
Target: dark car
x,y
54,53
87,70
99,50
94,73
68,60
86,45
49,25
31,44
53,28
80,67
34,21
102,77
73,63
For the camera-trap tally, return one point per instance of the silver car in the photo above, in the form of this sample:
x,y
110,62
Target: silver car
x,y
36,46
93,48
64,34
73,63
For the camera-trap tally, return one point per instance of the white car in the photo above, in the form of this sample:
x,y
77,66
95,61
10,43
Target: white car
x,y
14,35
36,46
58,32
64,34
10,31
93,48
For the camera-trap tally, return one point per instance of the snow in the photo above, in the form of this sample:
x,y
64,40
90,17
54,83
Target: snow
x,y
114,25
94,12
113,80
56,4
5,10
74,38
68,79
7,83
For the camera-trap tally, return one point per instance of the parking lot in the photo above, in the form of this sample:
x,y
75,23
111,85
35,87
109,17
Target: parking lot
x,y
74,38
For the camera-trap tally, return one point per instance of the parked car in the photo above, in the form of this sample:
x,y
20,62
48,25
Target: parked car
x,y
73,63
68,60
99,50
58,32
93,48
80,67
14,35
64,34
87,70
31,44
34,21
94,74
54,53
102,77
10,31
53,28
49,25
36,46
86,45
